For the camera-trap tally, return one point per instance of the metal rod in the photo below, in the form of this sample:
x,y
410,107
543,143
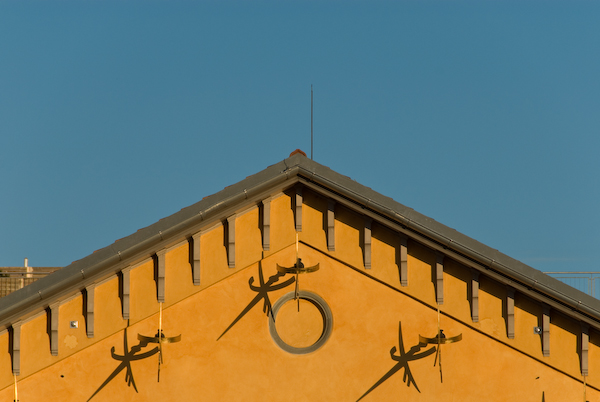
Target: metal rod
x,y
311,122
159,341
439,349
297,290
160,318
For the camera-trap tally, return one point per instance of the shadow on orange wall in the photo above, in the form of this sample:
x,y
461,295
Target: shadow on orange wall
x,y
262,291
403,359
126,359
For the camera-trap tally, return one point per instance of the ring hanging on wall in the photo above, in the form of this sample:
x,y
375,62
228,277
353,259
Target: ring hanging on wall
x,y
321,307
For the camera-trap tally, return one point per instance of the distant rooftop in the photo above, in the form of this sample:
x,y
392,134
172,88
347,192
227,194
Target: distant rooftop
x,y
15,278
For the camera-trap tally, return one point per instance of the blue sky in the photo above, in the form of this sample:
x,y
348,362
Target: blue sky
x,y
483,115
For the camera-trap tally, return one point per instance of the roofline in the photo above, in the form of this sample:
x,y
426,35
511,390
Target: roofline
x,y
474,254
144,243
168,231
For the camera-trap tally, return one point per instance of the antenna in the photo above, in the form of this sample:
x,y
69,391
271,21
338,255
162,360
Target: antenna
x,y
311,121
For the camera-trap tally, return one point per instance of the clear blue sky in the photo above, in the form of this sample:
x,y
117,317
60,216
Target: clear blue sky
x,y
483,115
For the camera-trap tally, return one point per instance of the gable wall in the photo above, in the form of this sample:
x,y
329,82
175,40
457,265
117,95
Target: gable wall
x,y
199,309
245,364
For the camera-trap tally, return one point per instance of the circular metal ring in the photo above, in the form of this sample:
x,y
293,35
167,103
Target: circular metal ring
x,y
323,308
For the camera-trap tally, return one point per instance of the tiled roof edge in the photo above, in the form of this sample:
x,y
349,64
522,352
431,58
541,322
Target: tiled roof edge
x,y
79,273
452,239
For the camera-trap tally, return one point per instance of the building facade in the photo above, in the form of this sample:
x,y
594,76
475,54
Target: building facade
x,y
300,284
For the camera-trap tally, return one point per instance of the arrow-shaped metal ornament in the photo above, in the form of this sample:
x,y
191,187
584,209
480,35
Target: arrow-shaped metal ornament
x,y
297,269
440,340
160,338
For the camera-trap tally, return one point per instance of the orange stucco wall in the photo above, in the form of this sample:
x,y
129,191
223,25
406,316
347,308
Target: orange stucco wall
x,y
243,363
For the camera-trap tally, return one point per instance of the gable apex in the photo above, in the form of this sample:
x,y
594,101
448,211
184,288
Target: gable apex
x,y
274,179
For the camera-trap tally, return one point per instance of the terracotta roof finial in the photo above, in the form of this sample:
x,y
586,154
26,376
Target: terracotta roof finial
x,y
298,151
